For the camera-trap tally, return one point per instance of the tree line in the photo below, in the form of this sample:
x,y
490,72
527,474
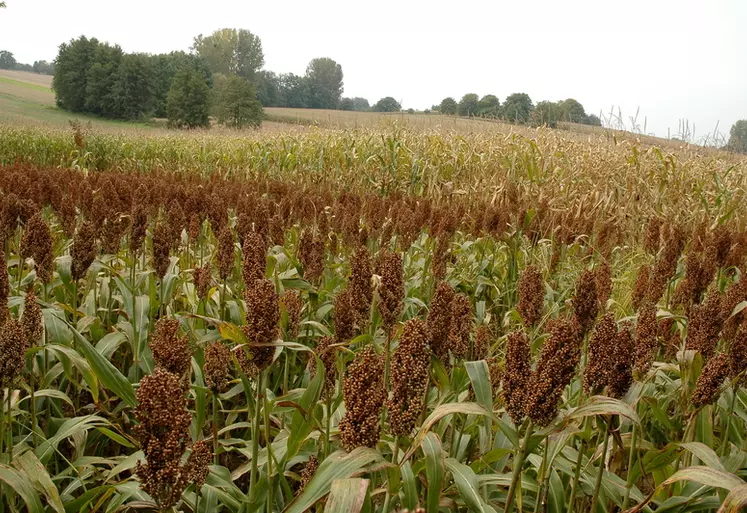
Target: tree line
x,y
518,108
8,61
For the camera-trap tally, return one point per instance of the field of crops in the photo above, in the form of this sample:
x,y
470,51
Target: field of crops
x,y
379,319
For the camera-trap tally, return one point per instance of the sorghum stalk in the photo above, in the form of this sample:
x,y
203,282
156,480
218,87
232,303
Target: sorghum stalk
x,y
215,428
631,458
253,488
732,403
268,441
518,464
541,479
577,469
598,483
395,457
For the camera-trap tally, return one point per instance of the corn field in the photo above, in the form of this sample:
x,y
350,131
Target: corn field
x,y
377,320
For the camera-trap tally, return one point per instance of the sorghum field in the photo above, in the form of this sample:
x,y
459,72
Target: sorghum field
x,y
381,319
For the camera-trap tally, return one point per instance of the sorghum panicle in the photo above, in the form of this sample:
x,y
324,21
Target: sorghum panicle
x,y
531,295
254,261
225,252
461,326
364,394
13,346
585,302
170,351
32,321
392,288
217,360
439,321
37,244
83,250
646,342
409,378
518,374
708,386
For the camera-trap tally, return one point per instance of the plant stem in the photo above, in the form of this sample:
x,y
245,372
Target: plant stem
x,y
268,441
253,489
10,429
541,479
725,438
577,470
328,425
215,428
33,407
518,464
629,482
598,483
395,457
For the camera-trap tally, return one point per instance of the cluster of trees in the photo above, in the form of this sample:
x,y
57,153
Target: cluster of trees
x,y
738,137
8,61
320,88
517,108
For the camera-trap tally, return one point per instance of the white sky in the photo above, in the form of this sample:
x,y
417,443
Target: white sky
x,y
672,59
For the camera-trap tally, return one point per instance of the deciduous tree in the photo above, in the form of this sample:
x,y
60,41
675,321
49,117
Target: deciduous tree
x,y
448,106
231,52
324,80
387,104
236,103
468,105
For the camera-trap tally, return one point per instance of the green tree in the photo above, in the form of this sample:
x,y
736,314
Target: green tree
x,y
387,104
738,137
100,78
268,89
468,105
448,106
293,91
165,67
360,104
43,67
489,106
324,80
188,99
71,73
347,104
593,120
547,114
231,52
236,103
572,111
7,60
132,94
517,108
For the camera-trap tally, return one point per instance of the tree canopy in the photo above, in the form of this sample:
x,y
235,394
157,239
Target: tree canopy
x,y
468,105
448,106
188,99
738,137
236,103
387,104
517,108
324,82
231,52
7,60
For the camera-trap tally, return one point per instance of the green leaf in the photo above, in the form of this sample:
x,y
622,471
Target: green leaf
x,y
21,484
65,352
468,486
338,465
56,328
439,413
116,437
347,496
434,471
600,405
109,343
706,476
409,487
30,465
106,372
49,392
479,376
69,428
301,424
704,453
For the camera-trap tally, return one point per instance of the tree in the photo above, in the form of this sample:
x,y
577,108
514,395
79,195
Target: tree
x,y
7,60
593,120
572,111
165,68
347,104
236,103
43,67
468,105
360,104
324,79
547,114
231,52
71,73
132,94
517,108
100,78
448,106
387,104
293,91
268,89
489,106
738,137
188,99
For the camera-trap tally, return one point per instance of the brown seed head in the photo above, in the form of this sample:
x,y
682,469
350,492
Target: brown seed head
x,y
161,246
704,325
163,431
360,284
585,302
292,302
641,286
13,346
37,244
311,255
461,326
518,374
225,252
603,280
439,321
708,386
651,239
531,295
203,280
344,317
198,462
328,356
601,358
392,288
4,288
622,373
364,394
254,263
738,353
170,350
481,349
217,360
307,473
31,319
555,370
138,227
409,378
83,250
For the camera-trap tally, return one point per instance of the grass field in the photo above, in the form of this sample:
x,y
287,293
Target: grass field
x,y
347,312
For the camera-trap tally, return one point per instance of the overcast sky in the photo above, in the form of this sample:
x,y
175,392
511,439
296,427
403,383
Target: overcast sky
x,y
672,59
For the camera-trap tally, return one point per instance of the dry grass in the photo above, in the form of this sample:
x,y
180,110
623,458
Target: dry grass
x,y
27,76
